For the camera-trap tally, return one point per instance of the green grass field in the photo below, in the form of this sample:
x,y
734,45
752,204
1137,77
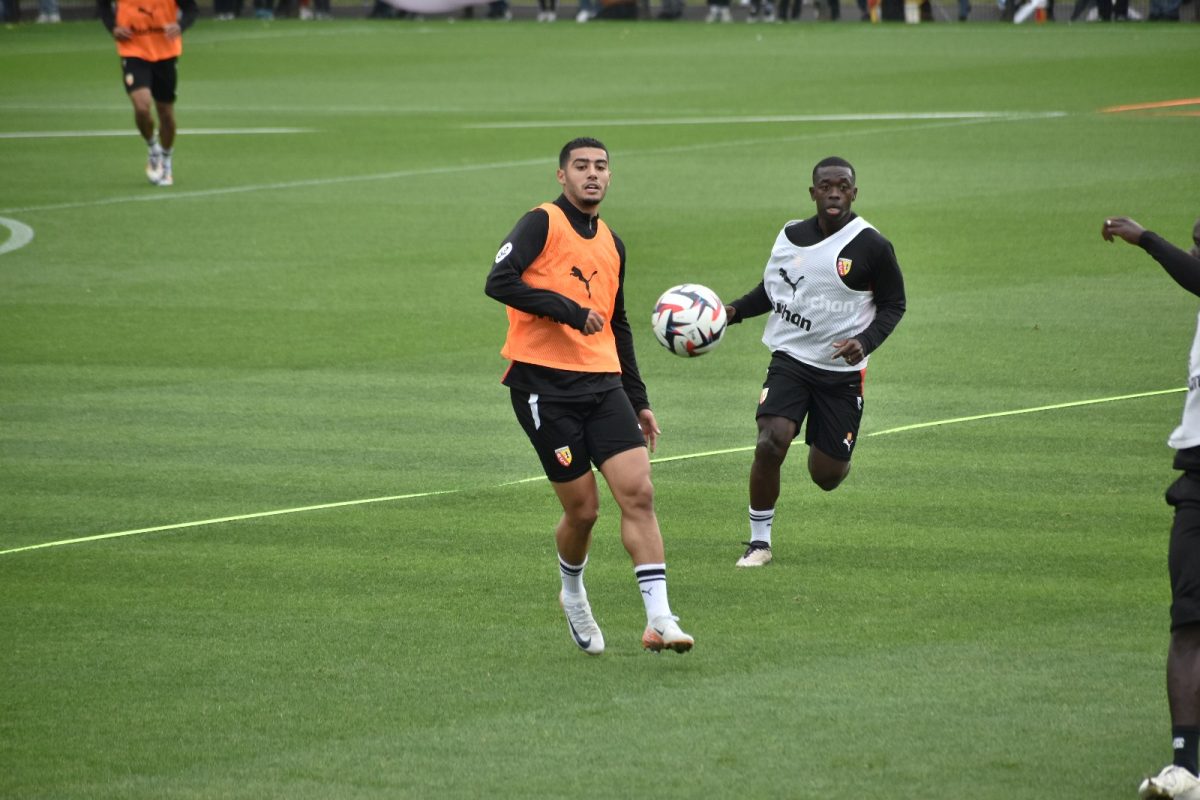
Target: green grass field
x,y
268,528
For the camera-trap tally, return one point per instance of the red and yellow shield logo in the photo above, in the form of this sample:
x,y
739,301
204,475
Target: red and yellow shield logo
x,y
563,454
843,266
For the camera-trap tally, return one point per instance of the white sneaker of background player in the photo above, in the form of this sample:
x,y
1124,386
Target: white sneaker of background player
x,y
1173,782
154,164
165,178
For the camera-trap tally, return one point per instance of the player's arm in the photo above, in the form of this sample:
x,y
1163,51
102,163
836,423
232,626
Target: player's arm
x,y
751,304
635,387
887,286
188,13
1183,267
107,14
631,379
523,245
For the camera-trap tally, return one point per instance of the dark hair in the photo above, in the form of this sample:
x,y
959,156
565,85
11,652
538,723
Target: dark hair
x,y
575,144
833,161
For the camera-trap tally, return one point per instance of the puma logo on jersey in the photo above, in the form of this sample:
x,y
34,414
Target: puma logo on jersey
x,y
587,282
796,285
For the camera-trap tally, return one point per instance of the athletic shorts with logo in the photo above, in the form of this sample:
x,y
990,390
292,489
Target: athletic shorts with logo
x,y
831,401
160,77
572,433
1183,554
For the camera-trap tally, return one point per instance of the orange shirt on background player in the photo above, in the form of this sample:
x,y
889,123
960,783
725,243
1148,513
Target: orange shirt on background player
x,y
146,19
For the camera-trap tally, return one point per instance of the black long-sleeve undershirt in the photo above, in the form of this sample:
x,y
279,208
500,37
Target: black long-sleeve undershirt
x,y
1182,266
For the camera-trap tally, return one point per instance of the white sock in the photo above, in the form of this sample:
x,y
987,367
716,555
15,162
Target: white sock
x,y
760,525
572,577
652,580
152,144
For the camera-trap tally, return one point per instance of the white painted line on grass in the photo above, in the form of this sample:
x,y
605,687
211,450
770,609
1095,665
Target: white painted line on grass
x,y
19,235
130,132
663,460
158,196
918,116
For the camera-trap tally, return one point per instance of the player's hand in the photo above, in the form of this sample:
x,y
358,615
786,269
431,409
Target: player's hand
x,y
122,33
730,313
849,349
594,324
650,427
1122,227
172,30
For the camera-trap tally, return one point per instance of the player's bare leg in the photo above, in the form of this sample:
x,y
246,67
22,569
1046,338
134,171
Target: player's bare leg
x,y
580,501
166,136
775,435
143,117
825,470
628,477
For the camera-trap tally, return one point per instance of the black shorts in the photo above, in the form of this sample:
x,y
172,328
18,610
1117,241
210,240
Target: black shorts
x,y
832,402
570,434
160,77
1183,554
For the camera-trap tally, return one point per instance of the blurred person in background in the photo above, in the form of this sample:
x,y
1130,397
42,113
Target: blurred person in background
x,y
149,36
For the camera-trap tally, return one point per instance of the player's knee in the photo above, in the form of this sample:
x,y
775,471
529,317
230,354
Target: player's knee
x,y
638,498
583,515
770,449
829,479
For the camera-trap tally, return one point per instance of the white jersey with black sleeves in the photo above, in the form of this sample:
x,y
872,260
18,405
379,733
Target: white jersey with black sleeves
x,y
1188,433
811,306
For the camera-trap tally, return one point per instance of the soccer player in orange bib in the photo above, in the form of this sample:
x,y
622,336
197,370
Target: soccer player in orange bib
x,y
149,36
576,390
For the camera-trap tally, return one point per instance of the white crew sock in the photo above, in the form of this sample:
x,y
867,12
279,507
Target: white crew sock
x,y
652,580
760,525
572,577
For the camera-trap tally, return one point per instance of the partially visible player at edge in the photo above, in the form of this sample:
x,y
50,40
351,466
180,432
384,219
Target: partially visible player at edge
x,y
576,390
149,36
1179,779
834,292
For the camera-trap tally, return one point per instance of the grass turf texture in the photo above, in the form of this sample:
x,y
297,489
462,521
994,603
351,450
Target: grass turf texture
x,y
979,611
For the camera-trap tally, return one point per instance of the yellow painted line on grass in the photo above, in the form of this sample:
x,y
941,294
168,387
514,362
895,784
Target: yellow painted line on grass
x,y
662,460
217,520
1034,410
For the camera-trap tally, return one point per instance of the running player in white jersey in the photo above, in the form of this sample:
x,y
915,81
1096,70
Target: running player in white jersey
x,y
834,292
1179,778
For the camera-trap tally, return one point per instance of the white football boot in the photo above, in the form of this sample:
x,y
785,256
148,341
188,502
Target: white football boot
x,y
584,630
1174,782
664,634
757,554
